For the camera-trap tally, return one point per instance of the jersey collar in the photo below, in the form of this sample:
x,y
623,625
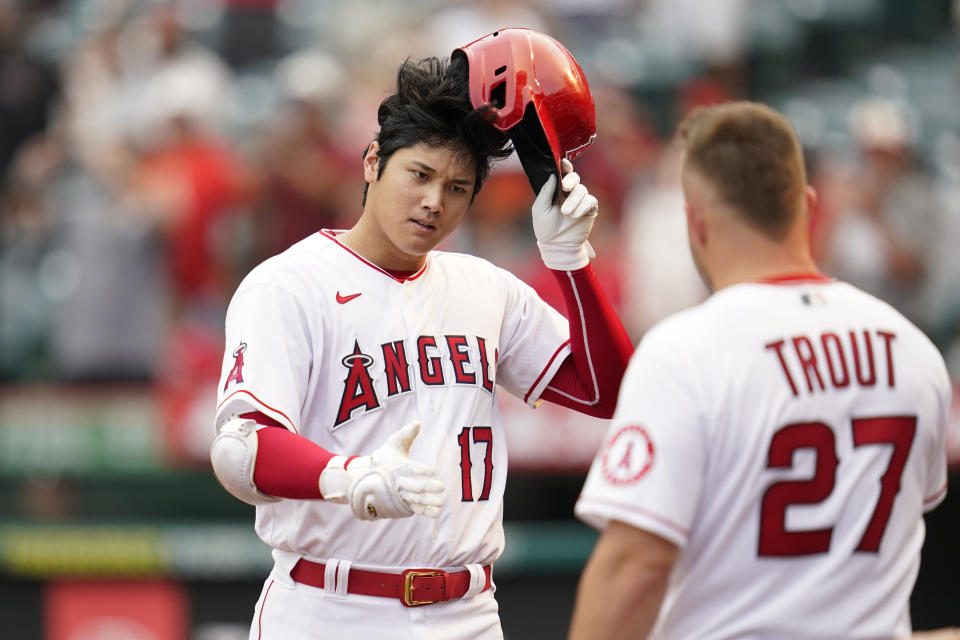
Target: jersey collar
x,y
332,234
795,278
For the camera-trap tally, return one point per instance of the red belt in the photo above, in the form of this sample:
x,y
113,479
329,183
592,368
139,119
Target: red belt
x,y
413,587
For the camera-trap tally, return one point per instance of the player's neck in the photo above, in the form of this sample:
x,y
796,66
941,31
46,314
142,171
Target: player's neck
x,y
765,273
372,244
761,260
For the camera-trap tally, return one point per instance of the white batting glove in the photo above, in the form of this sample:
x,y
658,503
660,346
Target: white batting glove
x,y
387,484
562,230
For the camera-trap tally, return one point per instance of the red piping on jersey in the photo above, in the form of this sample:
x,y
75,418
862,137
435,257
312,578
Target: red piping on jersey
x,y
795,278
586,344
261,403
262,419
937,495
545,369
332,236
262,607
653,516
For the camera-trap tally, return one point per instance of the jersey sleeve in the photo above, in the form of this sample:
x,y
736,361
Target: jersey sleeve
x,y
266,363
534,342
936,488
649,470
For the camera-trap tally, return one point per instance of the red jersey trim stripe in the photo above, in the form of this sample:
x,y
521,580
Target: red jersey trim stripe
x,y
795,278
331,234
545,369
939,494
262,607
262,404
643,512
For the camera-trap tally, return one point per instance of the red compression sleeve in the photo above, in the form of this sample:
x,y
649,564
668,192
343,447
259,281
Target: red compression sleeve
x,y
288,465
589,380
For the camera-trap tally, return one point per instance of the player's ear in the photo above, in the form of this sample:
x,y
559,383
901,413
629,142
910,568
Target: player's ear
x,y
696,226
811,197
371,162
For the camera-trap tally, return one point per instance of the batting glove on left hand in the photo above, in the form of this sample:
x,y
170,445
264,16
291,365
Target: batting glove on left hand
x,y
562,230
387,484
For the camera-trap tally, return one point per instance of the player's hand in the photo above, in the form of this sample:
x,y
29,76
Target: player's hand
x,y
562,229
386,484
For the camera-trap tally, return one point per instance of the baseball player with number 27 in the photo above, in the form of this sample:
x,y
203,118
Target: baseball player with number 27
x,y
774,449
358,406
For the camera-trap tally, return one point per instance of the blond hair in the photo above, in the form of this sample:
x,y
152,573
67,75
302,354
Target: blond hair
x,y
752,157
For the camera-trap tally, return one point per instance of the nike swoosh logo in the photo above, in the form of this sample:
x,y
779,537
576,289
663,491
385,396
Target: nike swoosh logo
x,y
345,299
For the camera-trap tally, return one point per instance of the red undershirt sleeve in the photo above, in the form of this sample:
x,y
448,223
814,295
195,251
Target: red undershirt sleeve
x,y
588,381
288,465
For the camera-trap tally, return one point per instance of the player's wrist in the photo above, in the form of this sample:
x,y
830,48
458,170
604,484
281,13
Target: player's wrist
x,y
334,481
565,257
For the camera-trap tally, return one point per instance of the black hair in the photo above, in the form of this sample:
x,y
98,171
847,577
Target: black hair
x,y
432,106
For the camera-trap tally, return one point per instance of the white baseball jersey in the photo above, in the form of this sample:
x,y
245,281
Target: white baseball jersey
x,y
788,438
341,352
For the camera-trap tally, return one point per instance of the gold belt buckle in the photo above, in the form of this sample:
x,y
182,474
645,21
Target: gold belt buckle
x,y
408,588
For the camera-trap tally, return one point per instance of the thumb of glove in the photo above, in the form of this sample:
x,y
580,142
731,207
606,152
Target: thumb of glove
x,y
401,441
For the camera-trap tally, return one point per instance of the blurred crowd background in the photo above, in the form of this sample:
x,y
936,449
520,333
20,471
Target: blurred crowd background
x,y
153,152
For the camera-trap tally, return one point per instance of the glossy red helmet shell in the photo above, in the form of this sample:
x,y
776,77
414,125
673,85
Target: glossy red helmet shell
x,y
540,96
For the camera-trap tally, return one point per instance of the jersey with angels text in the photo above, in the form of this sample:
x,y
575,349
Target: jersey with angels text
x,y
343,353
788,437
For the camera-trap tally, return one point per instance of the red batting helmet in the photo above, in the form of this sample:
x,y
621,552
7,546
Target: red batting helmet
x,y
539,94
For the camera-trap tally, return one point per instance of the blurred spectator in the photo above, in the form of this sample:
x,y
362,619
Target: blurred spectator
x,y
110,299
660,277
942,287
249,32
306,180
96,103
144,112
624,153
712,32
27,236
192,183
174,78
879,232
460,23
712,35
120,213
301,173
27,86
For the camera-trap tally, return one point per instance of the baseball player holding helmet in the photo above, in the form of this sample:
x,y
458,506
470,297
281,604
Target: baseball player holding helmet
x,y
774,449
357,404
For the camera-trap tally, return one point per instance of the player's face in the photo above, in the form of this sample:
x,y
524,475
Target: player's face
x,y
418,201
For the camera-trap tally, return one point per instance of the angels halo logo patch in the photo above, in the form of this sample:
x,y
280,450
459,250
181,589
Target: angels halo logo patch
x,y
628,456
236,373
